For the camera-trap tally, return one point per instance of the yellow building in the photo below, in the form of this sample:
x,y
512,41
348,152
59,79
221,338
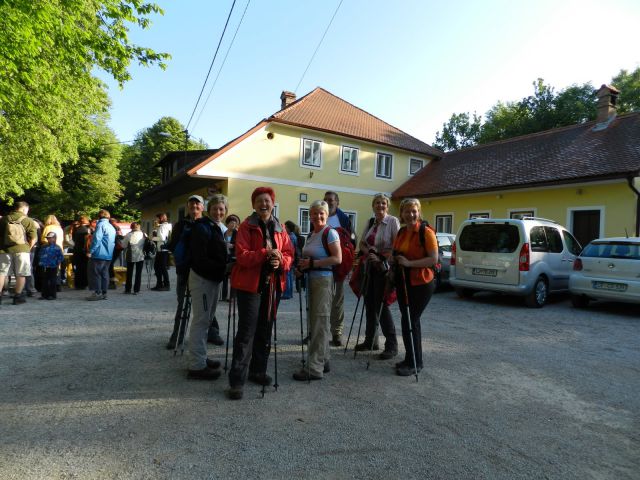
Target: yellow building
x,y
585,177
314,144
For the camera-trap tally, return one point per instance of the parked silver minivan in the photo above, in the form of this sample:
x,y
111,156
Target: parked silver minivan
x,y
530,257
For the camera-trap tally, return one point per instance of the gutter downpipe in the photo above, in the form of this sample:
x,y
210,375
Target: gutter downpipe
x,y
635,190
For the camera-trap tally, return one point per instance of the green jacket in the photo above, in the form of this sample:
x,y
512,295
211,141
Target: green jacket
x,y
29,226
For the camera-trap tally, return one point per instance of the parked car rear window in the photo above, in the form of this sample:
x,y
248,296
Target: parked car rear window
x,y
444,242
490,237
612,250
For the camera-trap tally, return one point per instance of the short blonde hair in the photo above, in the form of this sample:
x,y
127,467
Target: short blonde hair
x,y
216,199
407,202
320,205
379,196
51,220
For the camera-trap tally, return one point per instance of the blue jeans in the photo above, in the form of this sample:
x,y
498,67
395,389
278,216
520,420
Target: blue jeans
x,y
100,270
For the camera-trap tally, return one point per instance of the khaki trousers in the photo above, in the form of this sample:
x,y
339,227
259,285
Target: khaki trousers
x,y
321,291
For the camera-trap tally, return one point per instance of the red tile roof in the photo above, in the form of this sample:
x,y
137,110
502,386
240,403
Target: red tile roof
x,y
321,110
562,155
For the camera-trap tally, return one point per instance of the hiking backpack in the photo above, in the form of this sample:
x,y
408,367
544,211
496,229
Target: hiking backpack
x,y
15,233
341,270
182,252
149,248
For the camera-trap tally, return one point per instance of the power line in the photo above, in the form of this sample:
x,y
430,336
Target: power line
x,y
319,43
224,60
211,66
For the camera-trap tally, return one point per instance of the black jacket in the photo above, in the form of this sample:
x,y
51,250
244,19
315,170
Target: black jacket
x,y
208,250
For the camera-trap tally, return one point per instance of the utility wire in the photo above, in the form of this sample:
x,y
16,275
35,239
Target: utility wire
x,y
319,43
211,66
224,60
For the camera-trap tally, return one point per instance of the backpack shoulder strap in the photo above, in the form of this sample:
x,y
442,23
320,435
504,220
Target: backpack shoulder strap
x,y
325,240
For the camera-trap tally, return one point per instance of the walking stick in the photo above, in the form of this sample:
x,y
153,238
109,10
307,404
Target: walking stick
x,y
365,288
184,321
375,331
270,319
273,302
301,327
355,312
407,312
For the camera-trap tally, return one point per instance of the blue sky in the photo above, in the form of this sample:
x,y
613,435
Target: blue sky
x,y
410,63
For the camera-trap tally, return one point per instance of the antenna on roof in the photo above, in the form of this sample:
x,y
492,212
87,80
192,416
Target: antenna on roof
x,y
626,233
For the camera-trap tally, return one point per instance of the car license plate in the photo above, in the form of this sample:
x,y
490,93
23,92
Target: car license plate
x,y
487,272
616,287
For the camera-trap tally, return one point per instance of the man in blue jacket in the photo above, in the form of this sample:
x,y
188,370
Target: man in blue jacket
x,y
103,242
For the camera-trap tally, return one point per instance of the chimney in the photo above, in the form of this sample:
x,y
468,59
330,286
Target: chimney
x,y
287,99
607,96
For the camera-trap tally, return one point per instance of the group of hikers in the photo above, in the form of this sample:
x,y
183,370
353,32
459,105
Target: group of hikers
x,y
255,263
259,255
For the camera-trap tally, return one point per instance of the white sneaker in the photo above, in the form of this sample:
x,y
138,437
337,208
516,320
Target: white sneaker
x,y
94,297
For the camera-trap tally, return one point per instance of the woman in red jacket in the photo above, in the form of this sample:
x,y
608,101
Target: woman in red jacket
x,y
263,256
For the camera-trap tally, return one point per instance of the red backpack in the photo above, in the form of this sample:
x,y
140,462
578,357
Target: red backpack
x,y
341,270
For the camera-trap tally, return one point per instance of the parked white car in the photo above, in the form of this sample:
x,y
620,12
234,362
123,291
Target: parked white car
x,y
445,242
607,269
530,257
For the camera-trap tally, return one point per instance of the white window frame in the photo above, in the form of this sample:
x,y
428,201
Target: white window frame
x,y
442,215
422,162
479,214
302,209
375,171
349,172
353,218
313,140
511,211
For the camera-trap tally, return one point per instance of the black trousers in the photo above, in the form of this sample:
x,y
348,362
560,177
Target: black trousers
x,y
138,281
252,344
80,277
161,268
49,277
419,297
374,300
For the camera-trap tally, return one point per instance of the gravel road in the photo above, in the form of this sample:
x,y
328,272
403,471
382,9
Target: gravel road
x,y
89,392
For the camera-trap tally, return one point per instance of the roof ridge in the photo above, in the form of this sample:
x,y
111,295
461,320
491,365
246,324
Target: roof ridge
x,y
538,134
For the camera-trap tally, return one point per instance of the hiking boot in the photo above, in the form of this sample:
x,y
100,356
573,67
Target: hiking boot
x,y
216,340
260,379
19,299
336,341
205,373
304,376
406,371
94,296
364,346
388,354
215,364
234,393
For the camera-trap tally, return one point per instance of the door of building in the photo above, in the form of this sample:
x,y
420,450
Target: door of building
x,y
586,225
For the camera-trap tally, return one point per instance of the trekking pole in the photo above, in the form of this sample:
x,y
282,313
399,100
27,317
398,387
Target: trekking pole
x,y
355,312
409,320
184,322
365,287
375,331
307,296
275,335
269,306
301,327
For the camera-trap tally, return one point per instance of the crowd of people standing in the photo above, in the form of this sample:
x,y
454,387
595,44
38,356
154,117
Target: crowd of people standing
x,y
256,263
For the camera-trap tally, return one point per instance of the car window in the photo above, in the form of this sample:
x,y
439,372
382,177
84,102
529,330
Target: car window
x,y
444,242
612,250
538,240
554,240
573,245
491,237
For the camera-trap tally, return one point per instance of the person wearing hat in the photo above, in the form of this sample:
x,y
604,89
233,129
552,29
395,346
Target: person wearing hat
x,y
179,246
49,260
264,254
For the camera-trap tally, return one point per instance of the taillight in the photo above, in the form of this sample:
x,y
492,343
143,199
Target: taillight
x,y
453,254
523,259
577,264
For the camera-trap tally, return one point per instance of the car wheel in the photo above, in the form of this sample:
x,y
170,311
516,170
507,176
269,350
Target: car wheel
x,y
464,292
579,301
538,296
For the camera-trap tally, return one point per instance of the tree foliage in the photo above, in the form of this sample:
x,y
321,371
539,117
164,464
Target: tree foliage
x,y
138,167
48,97
543,110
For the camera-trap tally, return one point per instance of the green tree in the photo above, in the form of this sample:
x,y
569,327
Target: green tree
x,y
138,167
629,85
47,93
461,131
